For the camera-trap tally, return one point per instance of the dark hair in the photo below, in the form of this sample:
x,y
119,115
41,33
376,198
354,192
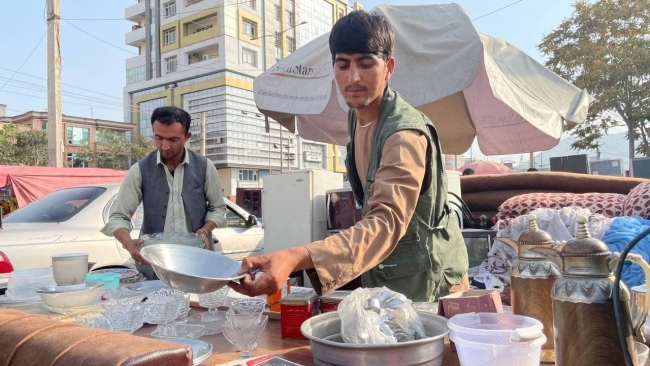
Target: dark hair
x,y
531,170
169,115
361,32
468,171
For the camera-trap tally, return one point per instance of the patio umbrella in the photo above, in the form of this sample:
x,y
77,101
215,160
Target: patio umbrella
x,y
485,167
470,85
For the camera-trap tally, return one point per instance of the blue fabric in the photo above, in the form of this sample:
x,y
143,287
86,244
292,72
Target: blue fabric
x,y
621,232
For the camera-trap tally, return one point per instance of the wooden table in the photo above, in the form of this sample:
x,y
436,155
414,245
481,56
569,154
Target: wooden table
x,y
270,342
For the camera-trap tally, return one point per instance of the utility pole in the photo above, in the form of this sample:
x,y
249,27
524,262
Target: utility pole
x,y
202,134
54,119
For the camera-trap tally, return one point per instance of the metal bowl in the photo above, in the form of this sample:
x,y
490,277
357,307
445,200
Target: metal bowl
x,y
189,269
323,332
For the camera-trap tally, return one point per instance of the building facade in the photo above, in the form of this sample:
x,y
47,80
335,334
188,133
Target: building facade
x,y
78,131
202,56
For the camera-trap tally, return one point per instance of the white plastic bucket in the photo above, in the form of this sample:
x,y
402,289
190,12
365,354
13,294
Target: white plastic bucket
x,y
525,353
495,328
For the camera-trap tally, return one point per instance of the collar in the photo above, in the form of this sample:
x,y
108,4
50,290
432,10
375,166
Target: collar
x,y
186,160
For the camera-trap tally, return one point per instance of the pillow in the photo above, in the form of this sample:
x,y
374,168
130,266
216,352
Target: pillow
x,y
637,202
606,204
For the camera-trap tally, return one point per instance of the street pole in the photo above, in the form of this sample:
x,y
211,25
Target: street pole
x,y
54,119
202,134
532,160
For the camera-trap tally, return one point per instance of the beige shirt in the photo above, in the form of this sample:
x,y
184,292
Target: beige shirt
x,y
343,257
177,219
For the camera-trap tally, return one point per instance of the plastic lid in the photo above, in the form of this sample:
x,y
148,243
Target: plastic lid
x,y
517,327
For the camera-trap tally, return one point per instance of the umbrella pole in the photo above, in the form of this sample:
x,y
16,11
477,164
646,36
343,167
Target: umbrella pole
x,y
532,160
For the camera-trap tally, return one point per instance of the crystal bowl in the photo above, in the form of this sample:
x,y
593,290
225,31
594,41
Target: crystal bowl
x,y
189,269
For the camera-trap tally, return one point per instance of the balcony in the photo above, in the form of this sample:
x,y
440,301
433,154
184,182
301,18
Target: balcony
x,y
135,13
203,54
136,37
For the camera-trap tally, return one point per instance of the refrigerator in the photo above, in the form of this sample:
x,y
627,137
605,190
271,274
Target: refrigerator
x,y
294,207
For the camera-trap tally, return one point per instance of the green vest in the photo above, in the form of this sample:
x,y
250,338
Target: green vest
x,y
432,249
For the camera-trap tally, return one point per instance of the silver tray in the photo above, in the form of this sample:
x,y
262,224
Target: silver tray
x,y
145,287
201,350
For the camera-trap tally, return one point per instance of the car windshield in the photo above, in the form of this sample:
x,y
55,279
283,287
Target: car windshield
x,y
57,206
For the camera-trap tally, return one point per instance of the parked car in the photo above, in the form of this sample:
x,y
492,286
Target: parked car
x,y
69,220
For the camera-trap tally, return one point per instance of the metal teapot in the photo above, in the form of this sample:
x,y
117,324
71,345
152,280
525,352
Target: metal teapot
x,y
531,278
583,305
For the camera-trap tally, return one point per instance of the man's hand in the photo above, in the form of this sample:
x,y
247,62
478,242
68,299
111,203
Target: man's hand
x,y
204,234
275,268
133,246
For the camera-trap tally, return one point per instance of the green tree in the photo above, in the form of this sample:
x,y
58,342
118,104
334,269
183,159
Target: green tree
x,y
604,47
140,147
8,134
31,147
112,151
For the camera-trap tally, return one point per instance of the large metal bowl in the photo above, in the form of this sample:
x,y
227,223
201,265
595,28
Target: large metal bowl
x,y
189,269
324,334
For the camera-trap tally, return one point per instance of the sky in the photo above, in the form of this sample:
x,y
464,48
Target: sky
x,y
94,53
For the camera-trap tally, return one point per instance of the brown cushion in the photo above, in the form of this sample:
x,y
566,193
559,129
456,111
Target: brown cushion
x,y
606,204
28,340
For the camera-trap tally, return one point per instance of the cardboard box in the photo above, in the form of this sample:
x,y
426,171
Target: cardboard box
x,y
471,301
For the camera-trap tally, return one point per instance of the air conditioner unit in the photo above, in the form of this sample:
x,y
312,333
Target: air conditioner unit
x,y
205,57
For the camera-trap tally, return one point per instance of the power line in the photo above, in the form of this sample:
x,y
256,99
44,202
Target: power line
x,y
101,40
492,12
30,55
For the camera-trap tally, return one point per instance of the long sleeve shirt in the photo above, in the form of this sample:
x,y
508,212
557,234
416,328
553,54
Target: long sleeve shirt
x,y
342,257
177,219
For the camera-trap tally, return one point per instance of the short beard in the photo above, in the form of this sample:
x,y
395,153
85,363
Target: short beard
x,y
362,105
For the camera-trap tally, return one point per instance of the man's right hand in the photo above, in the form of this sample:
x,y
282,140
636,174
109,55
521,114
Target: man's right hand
x,y
133,246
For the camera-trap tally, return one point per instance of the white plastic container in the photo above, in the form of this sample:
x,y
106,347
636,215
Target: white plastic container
x,y
492,339
23,283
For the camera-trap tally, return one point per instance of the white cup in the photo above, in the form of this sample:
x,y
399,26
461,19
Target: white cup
x,y
70,268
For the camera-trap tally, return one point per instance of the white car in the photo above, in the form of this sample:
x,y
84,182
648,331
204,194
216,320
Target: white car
x,y
69,220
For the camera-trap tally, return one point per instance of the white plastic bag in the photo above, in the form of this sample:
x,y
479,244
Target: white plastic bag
x,y
397,317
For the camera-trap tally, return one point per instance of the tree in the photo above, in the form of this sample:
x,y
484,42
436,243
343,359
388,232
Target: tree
x,y
604,47
8,134
114,152
140,147
32,147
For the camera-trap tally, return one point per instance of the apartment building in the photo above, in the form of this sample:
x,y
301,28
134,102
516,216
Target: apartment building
x,y
202,56
78,131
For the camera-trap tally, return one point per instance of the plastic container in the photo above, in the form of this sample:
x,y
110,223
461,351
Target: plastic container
x,y
110,280
493,339
23,283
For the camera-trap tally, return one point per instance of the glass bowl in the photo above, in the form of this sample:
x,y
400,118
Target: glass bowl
x,y
249,306
161,310
244,338
125,314
179,330
94,320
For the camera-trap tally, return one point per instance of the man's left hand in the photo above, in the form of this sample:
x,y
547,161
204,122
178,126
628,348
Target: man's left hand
x,y
204,234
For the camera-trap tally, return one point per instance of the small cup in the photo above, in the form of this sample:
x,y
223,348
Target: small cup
x,y
70,269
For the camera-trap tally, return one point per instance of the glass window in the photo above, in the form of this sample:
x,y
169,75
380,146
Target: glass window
x,y
290,18
278,13
249,57
249,27
252,4
170,9
58,206
43,125
77,135
170,36
135,74
145,109
342,153
246,174
171,65
291,44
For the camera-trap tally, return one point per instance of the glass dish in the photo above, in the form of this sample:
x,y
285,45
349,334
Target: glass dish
x,y
179,330
125,314
181,299
161,310
249,306
244,338
189,239
212,324
94,320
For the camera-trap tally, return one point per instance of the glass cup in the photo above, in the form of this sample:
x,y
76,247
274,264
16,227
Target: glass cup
x,y
249,306
244,338
213,300
94,320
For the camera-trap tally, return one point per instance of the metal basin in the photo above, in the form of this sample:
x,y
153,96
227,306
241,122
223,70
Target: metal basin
x,y
323,332
189,269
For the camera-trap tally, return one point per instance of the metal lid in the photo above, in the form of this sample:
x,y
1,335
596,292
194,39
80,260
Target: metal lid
x,y
583,244
534,236
334,297
299,298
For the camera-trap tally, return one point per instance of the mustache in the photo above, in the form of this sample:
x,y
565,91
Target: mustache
x,y
354,87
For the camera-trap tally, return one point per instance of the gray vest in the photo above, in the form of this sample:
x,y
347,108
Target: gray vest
x,y
155,193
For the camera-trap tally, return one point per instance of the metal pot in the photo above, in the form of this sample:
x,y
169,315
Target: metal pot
x,y
323,332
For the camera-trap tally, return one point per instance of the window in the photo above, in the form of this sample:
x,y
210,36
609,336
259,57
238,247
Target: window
x,y
342,155
170,9
278,13
341,13
249,28
78,135
290,18
58,206
291,44
278,54
43,125
245,174
249,57
170,36
171,64
252,4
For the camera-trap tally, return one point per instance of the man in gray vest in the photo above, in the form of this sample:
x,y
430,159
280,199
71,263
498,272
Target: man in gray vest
x,y
407,240
179,189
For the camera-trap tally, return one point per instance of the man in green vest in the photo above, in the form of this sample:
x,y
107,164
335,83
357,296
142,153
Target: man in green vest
x,y
408,239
